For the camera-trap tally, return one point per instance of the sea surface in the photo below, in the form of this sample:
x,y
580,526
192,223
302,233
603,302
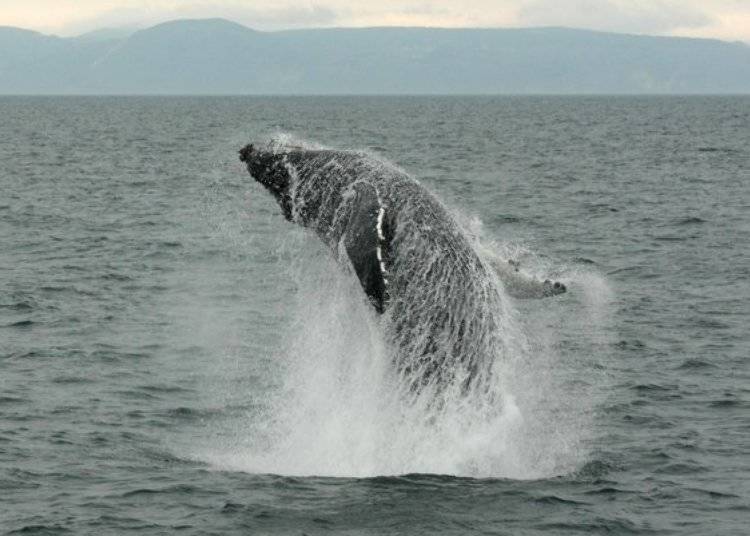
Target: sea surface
x,y
176,358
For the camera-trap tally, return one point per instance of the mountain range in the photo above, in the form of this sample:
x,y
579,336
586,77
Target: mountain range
x,y
216,56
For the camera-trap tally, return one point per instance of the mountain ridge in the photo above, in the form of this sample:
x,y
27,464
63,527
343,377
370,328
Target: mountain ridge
x,y
218,56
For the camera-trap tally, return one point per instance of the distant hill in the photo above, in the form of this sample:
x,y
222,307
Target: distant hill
x,y
217,56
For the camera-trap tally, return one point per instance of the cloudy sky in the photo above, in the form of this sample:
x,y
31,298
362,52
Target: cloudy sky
x,y
723,19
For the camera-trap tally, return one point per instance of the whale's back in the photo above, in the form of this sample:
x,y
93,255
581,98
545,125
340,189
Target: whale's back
x,y
441,304
444,304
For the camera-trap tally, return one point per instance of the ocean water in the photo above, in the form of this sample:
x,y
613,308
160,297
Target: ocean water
x,y
175,357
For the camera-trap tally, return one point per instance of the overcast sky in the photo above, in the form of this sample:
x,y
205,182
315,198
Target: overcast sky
x,y
723,19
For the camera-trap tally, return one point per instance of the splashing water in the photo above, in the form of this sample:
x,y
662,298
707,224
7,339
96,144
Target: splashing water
x,y
344,409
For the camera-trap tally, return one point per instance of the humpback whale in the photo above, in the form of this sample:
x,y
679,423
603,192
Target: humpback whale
x,y
439,301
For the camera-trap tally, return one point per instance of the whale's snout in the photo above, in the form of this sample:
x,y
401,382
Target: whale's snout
x,y
270,169
247,152
553,289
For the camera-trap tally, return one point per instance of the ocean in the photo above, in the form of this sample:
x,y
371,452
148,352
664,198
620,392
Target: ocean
x,y
175,357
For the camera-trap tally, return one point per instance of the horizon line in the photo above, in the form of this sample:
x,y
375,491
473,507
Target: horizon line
x,y
370,95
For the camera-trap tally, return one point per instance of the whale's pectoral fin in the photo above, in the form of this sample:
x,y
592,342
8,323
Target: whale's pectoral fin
x,y
520,285
364,244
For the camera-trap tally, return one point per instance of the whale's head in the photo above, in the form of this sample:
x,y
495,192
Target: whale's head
x,y
270,168
300,180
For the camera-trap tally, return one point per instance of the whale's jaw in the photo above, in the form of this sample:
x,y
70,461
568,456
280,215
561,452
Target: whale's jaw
x,y
270,169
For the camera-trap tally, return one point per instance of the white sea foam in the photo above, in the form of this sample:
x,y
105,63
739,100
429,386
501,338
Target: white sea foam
x,y
341,411
337,406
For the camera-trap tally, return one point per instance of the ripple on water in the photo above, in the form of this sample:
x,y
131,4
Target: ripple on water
x,y
21,306
713,494
729,403
691,220
42,530
597,526
21,324
633,345
696,364
583,260
655,391
183,489
595,470
688,467
553,500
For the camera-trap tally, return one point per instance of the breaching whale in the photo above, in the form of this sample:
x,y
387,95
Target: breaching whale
x,y
440,302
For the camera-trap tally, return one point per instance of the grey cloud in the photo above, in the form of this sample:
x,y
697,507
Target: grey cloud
x,y
257,18
611,15
424,8
268,18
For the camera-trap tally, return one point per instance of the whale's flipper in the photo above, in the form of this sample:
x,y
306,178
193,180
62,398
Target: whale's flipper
x,y
365,244
520,285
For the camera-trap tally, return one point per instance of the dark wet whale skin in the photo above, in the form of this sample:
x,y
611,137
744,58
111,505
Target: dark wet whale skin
x,y
440,300
341,210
